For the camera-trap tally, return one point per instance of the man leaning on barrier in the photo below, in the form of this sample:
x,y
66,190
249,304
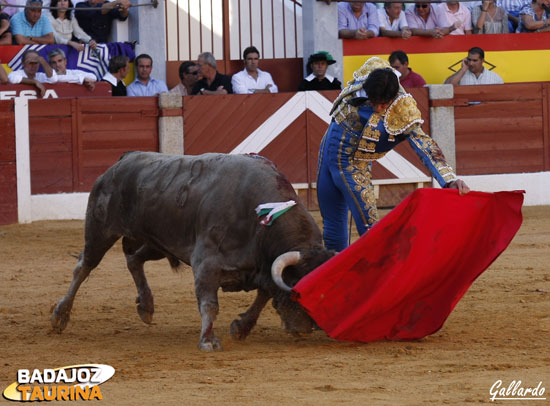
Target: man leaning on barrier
x,y
29,75
252,79
358,20
58,62
212,81
31,26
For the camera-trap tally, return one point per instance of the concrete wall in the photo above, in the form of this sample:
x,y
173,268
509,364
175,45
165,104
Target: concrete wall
x,y
146,26
320,27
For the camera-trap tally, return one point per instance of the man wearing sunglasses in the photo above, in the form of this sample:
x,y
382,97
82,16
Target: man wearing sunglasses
x,y
424,21
189,75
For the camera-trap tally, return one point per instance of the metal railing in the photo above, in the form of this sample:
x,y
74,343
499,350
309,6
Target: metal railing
x,y
226,27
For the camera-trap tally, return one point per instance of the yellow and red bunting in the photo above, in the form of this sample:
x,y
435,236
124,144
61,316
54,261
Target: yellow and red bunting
x,y
516,57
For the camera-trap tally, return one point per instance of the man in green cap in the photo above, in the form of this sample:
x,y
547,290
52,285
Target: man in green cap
x,y
318,79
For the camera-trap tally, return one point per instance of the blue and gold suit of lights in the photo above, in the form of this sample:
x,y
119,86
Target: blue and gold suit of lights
x,y
356,137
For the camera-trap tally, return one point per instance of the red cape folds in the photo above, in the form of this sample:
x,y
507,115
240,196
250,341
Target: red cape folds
x,y
402,279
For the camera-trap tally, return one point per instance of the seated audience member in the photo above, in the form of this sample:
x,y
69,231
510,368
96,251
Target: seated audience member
x,y
400,62
424,21
472,71
357,20
65,27
212,81
118,69
29,75
145,85
251,79
58,62
5,33
489,19
513,7
3,74
535,17
98,23
189,75
393,22
8,6
457,15
318,79
31,27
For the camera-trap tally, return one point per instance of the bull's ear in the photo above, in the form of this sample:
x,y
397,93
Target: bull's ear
x,y
280,263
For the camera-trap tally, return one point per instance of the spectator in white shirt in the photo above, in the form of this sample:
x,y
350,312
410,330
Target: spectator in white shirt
x,y
472,71
457,15
58,62
251,79
29,75
393,22
65,27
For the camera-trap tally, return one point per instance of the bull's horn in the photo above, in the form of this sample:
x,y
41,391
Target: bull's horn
x,y
282,261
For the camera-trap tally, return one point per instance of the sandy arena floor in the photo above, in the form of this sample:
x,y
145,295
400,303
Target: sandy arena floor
x,y
500,330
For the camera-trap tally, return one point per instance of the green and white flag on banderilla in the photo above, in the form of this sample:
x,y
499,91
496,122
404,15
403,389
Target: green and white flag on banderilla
x,y
272,210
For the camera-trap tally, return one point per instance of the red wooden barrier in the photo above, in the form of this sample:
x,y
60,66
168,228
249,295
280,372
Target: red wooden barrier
x,y
55,91
8,170
220,123
73,141
502,128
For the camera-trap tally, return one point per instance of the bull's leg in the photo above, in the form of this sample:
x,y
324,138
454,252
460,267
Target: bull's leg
x,y
206,289
240,328
94,251
135,260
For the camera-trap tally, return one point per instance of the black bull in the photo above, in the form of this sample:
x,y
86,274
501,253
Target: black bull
x,y
200,210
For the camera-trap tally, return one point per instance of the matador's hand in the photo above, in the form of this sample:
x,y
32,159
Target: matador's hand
x,y
460,185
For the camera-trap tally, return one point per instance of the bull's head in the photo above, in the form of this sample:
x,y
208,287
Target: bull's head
x,y
295,266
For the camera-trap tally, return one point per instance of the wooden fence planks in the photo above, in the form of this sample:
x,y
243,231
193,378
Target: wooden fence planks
x,y
73,141
507,132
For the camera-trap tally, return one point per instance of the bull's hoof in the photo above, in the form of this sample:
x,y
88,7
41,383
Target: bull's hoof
x,y
59,322
239,330
145,309
145,316
212,345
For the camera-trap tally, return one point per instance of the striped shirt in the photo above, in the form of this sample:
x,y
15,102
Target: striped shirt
x,y
486,77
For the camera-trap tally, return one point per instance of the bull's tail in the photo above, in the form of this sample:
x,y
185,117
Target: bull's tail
x,y
175,263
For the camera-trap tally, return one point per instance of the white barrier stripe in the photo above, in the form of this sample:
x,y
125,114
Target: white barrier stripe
x,y
319,105
399,166
23,160
273,126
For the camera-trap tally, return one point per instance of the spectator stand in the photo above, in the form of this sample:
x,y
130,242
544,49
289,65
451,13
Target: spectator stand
x,y
515,57
88,60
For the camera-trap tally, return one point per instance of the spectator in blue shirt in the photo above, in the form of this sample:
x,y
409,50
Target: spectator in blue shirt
x,y
31,27
358,20
145,85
